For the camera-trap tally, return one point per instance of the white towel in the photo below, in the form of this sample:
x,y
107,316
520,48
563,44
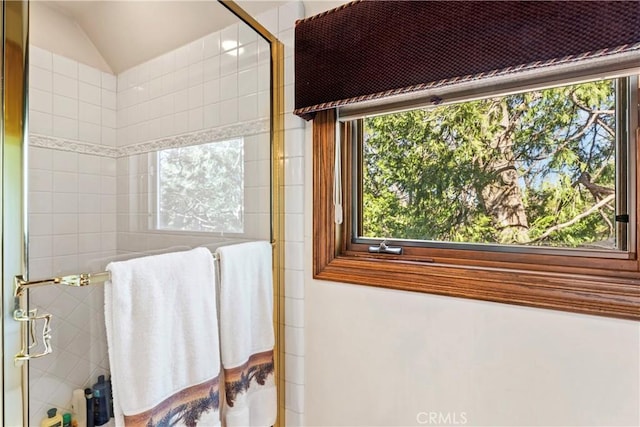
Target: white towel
x,y
246,334
162,333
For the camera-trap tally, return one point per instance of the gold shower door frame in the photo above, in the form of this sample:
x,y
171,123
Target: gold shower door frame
x,y
14,20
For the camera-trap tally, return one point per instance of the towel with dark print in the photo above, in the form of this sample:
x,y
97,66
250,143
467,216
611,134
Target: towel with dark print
x,y
194,406
248,376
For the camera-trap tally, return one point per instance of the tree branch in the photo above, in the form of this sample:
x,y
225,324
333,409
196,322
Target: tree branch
x,y
575,219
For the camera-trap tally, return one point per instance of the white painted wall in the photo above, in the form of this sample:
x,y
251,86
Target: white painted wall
x,y
377,357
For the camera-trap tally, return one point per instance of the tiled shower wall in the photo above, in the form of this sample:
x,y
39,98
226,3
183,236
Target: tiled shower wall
x,y
72,217
202,92
76,223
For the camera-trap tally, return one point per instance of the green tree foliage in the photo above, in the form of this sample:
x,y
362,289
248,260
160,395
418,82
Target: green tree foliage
x,y
201,188
532,168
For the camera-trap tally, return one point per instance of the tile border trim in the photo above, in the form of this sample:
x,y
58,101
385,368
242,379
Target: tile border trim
x,y
184,140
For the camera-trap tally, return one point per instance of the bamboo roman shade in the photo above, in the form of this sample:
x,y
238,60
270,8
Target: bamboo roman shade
x,y
372,49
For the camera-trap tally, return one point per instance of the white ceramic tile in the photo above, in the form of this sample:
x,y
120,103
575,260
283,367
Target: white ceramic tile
x,y
108,137
89,75
294,397
228,111
166,103
64,127
88,242
211,116
65,244
289,71
65,224
108,166
108,118
40,100
89,223
195,119
211,45
248,108
65,182
228,62
247,81
40,78
195,96
294,227
65,66
181,78
227,36
264,105
155,68
40,180
89,132
181,122
155,87
182,57
65,107
109,81
211,92
90,113
89,93
181,100
294,199
40,158
229,87
294,369
294,171
294,312
40,201
65,203
168,82
41,123
196,74
289,99
40,224
294,340
154,109
294,143
65,86
294,255
246,34
168,62
88,163
89,183
196,51
248,56
293,419
65,161
40,57
108,99
40,246
89,203
40,268
294,283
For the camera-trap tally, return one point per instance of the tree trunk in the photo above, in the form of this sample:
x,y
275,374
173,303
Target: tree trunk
x,y
502,197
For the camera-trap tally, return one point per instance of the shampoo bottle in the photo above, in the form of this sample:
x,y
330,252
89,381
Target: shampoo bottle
x,y
101,402
53,419
88,394
66,420
79,406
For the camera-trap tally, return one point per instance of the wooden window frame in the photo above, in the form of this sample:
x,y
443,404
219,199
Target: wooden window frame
x,y
605,287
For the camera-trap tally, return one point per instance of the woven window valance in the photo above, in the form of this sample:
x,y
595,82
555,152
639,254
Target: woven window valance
x,y
373,49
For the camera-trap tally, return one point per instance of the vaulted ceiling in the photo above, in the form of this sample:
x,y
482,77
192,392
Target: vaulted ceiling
x,y
127,33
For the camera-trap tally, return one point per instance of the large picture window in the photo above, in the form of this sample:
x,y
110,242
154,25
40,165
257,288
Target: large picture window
x,y
544,168
523,194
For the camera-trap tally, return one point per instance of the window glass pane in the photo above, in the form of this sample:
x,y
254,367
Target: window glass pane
x,y
534,168
201,188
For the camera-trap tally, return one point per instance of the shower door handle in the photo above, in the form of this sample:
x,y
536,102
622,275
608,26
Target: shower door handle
x,y
29,339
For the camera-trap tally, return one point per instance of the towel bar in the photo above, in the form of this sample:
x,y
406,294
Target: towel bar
x,y
29,317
